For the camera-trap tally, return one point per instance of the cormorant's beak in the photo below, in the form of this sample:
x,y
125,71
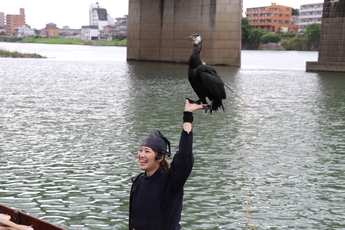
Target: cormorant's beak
x,y
190,38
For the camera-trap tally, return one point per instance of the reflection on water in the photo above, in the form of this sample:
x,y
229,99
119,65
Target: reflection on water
x,y
71,125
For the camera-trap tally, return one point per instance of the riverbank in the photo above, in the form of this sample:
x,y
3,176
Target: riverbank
x,y
74,41
62,40
15,54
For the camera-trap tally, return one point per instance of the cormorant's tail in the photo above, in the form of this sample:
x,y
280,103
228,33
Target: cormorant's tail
x,y
216,104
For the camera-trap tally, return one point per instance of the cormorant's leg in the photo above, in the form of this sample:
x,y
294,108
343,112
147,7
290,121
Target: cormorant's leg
x,y
208,108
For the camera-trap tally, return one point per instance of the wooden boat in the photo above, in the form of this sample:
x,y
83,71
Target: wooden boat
x,y
21,220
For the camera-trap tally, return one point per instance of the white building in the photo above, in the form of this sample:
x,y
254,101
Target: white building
x,y
24,31
99,19
99,16
309,14
89,33
67,31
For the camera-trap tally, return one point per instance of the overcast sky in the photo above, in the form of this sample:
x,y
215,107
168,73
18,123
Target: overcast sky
x,y
75,13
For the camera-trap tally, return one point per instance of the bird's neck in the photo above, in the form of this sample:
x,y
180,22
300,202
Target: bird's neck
x,y
195,60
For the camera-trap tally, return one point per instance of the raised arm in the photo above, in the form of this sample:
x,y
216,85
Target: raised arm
x,y
189,108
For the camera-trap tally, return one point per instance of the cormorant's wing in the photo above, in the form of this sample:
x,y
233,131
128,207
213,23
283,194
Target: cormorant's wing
x,y
214,85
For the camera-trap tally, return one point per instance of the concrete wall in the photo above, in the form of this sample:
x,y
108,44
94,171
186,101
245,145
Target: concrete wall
x,y
157,30
332,39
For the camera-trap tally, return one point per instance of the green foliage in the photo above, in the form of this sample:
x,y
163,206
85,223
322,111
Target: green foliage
x,y
312,36
296,43
119,36
286,45
30,39
295,12
309,40
58,41
254,37
111,43
11,39
14,39
288,35
15,54
245,30
53,40
270,38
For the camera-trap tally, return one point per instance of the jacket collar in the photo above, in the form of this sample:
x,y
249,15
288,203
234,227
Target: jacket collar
x,y
155,175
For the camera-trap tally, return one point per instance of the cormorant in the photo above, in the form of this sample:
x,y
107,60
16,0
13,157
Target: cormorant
x,y
204,79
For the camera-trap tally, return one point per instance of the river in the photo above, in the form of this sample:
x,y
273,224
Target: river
x,y
71,126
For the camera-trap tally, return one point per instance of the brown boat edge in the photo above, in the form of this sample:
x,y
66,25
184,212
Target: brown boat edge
x,y
21,218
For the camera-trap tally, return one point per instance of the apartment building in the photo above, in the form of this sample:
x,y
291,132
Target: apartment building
x,y
2,19
52,30
121,25
309,14
13,21
274,18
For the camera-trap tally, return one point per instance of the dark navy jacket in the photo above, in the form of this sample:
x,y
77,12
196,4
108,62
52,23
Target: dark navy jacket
x,y
156,201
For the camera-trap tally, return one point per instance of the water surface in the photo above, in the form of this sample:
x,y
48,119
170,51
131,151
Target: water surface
x,y
71,125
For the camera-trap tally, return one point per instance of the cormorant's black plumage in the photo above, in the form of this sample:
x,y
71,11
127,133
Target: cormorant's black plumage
x,y
204,79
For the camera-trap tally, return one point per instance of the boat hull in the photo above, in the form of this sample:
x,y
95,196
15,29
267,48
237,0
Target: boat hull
x,y
22,218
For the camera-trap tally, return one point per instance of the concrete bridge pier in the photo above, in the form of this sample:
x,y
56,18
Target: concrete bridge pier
x,y
332,39
157,30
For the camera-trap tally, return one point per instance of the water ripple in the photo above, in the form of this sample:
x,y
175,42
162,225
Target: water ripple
x,y
70,130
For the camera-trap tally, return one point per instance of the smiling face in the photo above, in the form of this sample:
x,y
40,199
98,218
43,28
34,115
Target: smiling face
x,y
147,160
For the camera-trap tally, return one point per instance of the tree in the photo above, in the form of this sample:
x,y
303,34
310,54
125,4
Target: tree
x,y
254,37
119,36
296,43
245,30
295,12
269,37
312,36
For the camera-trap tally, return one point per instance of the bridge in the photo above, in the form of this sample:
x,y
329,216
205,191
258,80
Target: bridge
x,y
332,39
157,30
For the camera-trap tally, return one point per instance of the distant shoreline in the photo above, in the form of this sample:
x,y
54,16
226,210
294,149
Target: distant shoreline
x,y
58,40
65,41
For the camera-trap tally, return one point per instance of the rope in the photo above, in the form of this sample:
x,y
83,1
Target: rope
x,y
249,223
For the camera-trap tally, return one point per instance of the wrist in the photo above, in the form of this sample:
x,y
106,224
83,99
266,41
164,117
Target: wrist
x,y
188,117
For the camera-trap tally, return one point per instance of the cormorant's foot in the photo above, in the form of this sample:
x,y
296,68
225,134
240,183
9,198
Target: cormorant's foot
x,y
193,102
207,108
